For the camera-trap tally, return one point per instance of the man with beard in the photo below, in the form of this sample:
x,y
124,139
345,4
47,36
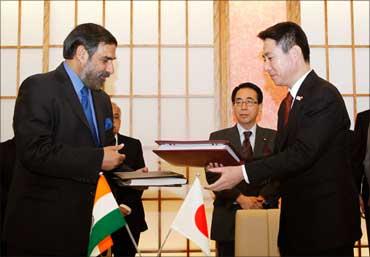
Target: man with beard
x,y
64,138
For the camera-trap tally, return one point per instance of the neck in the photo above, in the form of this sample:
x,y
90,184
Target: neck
x,y
74,66
247,126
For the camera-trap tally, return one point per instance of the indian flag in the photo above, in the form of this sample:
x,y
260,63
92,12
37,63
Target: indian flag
x,y
107,218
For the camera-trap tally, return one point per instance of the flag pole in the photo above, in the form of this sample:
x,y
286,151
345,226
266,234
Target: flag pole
x,y
132,239
165,239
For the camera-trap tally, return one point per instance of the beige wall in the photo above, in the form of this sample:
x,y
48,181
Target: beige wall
x,y
246,21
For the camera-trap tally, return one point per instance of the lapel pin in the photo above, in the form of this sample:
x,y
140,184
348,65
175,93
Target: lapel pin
x,y
299,98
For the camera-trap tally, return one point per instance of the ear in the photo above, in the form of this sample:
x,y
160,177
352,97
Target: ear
x,y
260,107
296,52
259,114
82,54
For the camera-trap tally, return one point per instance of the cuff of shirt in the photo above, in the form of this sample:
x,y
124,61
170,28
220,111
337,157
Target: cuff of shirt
x,y
245,174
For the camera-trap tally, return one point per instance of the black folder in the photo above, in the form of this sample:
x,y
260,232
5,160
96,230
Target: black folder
x,y
151,178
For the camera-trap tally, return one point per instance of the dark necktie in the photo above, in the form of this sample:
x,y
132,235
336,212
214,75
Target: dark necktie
x,y
247,151
85,102
287,102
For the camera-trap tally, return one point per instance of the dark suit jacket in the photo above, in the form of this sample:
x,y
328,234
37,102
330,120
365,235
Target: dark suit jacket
x,y
223,218
320,208
7,155
127,195
359,151
51,197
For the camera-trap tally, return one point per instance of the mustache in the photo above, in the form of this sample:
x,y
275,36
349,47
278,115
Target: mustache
x,y
104,74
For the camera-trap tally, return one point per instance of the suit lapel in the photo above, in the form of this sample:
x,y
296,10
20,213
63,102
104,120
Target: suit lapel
x,y
70,94
234,138
258,142
296,110
99,114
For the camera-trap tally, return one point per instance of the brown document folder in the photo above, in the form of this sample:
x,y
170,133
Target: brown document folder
x,y
197,153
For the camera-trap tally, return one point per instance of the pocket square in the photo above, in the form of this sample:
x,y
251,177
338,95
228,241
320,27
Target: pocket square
x,y
108,124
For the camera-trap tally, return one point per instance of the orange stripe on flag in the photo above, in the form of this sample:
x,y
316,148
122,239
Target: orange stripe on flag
x,y
102,188
105,244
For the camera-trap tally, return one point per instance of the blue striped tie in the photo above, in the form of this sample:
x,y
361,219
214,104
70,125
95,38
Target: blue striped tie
x,y
88,113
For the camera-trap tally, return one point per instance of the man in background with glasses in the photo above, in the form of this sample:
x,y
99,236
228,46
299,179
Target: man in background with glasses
x,y
251,141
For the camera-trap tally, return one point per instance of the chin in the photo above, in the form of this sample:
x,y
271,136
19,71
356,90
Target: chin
x,y
245,122
97,87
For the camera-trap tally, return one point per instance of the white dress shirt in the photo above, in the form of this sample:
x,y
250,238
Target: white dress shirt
x,y
293,91
252,138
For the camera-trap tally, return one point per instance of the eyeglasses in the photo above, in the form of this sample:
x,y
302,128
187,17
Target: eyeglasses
x,y
248,102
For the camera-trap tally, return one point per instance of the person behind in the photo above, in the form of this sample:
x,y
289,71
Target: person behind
x,y
361,163
320,214
247,104
7,154
129,196
64,138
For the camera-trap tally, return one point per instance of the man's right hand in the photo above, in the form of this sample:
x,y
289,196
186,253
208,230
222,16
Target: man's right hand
x,y
230,177
112,158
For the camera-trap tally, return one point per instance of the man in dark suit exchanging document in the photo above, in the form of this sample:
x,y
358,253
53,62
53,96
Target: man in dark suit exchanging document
x,y
320,214
250,141
64,138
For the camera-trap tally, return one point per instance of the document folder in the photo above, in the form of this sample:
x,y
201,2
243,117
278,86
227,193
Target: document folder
x,y
151,178
197,153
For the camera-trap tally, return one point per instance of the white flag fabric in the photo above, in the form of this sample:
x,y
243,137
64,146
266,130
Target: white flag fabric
x,y
191,219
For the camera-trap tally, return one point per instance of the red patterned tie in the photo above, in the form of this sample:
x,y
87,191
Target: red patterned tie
x,y
287,106
247,151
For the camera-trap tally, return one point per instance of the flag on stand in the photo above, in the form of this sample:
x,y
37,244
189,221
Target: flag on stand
x,y
107,218
191,219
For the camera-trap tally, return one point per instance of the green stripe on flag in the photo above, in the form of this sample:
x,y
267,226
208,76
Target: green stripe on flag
x,y
104,227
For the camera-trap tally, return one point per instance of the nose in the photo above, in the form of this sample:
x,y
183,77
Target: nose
x,y
110,67
266,66
244,105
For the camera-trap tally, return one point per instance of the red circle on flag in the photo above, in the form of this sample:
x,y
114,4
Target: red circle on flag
x,y
200,220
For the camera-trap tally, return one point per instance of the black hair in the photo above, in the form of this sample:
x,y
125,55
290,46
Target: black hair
x,y
89,35
287,34
247,85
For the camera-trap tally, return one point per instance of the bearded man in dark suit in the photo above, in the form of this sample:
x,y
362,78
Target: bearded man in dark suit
x,y
247,101
320,213
64,138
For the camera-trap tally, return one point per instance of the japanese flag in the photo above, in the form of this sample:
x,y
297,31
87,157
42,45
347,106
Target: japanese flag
x,y
191,219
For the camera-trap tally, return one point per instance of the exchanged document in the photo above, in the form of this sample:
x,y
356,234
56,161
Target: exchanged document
x,y
151,178
198,153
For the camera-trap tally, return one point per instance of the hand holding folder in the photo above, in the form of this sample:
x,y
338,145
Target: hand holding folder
x,y
198,153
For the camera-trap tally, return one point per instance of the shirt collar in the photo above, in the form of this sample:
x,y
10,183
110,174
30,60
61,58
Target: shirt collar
x,y
241,130
294,89
76,81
